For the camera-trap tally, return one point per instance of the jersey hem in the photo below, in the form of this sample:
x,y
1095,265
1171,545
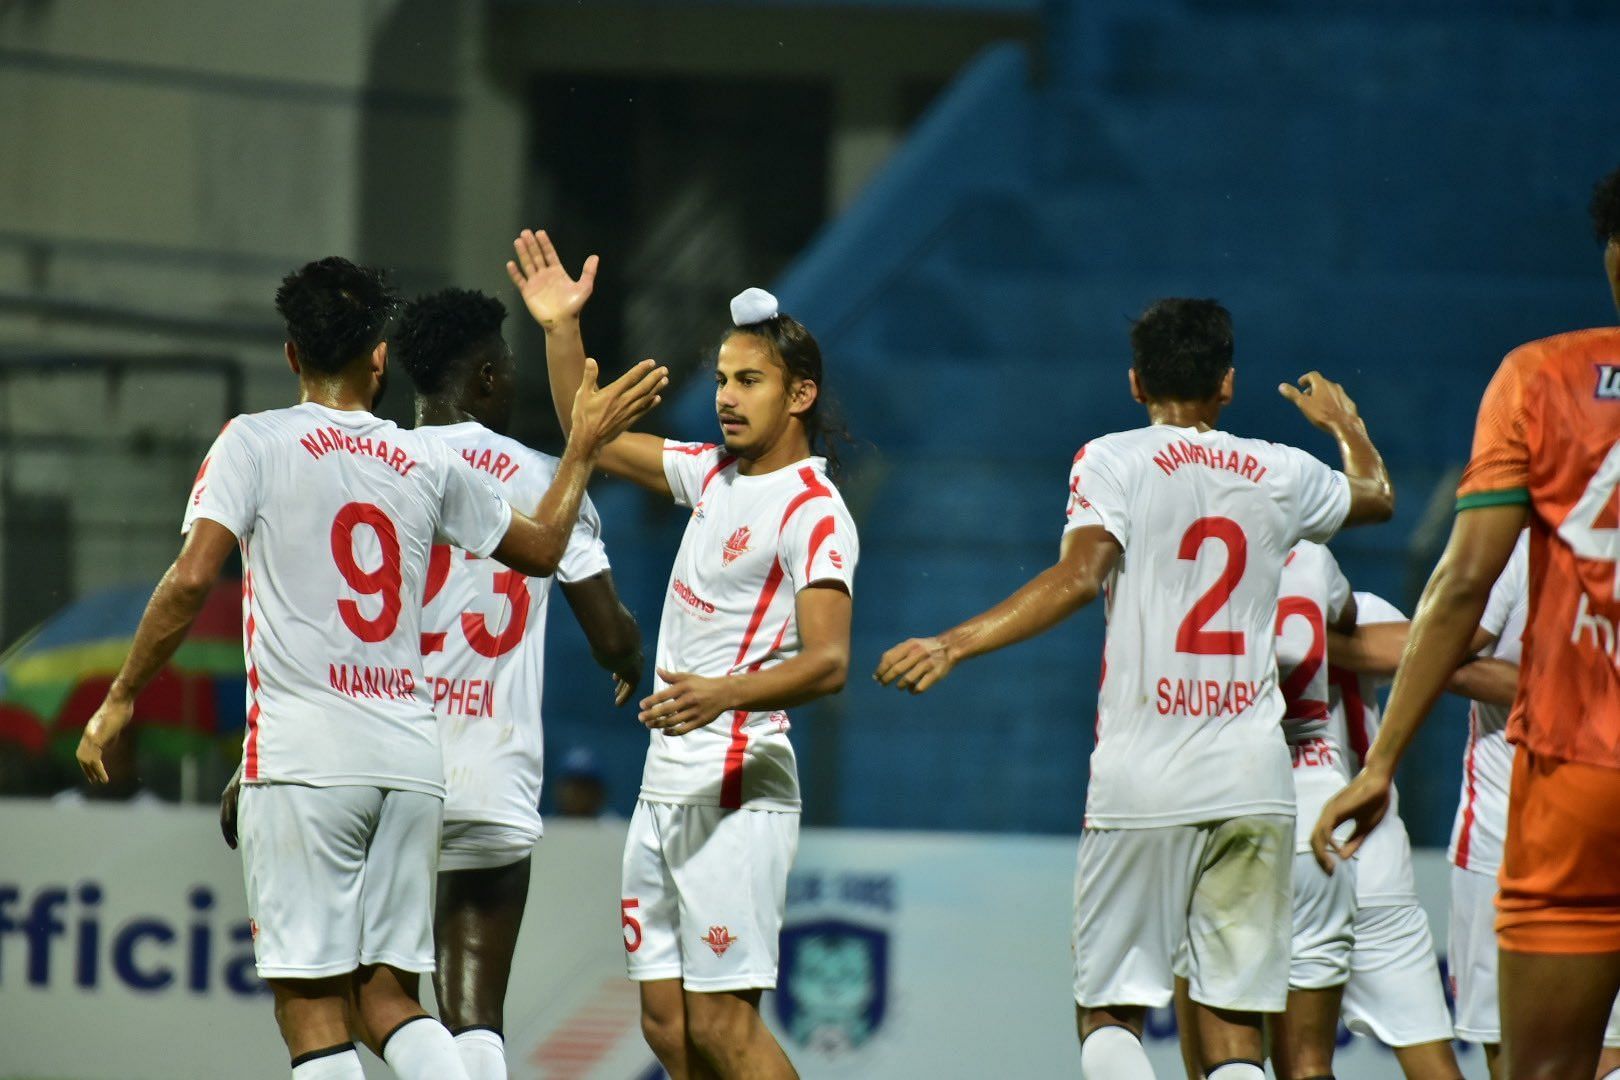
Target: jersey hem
x,y
1379,900
1283,808
1504,497
473,817
779,806
387,783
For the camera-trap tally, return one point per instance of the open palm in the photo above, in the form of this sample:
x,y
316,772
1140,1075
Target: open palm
x,y
551,296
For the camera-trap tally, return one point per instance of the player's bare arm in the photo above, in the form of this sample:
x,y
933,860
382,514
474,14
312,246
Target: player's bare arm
x,y
1487,680
228,806
535,545
175,602
1447,618
1088,556
690,701
555,300
1375,649
610,629
1330,409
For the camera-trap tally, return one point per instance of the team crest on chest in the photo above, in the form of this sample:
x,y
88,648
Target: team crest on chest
x,y
736,547
719,939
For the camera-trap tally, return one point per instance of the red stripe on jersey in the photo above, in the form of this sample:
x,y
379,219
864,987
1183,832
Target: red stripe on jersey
x,y
1355,710
1465,836
818,536
731,778
250,750
689,449
719,467
813,489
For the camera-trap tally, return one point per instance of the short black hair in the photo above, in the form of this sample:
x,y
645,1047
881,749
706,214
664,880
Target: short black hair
x,y
441,331
1606,208
336,312
1182,349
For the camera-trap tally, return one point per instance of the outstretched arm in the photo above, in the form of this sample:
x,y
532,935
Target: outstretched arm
x,y
555,300
1375,650
1447,618
535,545
175,603
822,614
1088,556
1329,408
611,630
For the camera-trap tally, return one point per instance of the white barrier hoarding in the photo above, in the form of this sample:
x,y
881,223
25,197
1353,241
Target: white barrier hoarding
x,y
124,953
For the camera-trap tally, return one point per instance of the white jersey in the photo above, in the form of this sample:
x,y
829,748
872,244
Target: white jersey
x,y
1384,863
337,513
1481,824
1312,596
484,642
751,544
1188,713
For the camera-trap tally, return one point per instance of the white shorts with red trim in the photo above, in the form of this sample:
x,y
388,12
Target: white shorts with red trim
x,y
338,877
704,894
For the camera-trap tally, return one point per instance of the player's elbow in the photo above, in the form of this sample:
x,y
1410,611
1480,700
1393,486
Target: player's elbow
x,y
1373,504
190,582
834,671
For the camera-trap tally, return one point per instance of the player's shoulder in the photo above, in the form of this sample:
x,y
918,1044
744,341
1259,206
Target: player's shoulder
x,y
1561,354
1372,609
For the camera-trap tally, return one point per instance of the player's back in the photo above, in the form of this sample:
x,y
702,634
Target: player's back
x,y
1547,436
483,641
1312,596
1189,709
337,512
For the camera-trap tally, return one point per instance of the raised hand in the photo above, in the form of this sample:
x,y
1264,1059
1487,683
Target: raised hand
x,y
551,296
915,665
1323,401
602,413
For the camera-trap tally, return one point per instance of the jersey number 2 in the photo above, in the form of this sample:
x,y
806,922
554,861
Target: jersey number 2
x,y
1298,681
1192,637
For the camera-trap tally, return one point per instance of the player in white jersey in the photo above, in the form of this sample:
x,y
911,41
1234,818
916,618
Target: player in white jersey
x,y
756,621
483,639
335,512
1186,856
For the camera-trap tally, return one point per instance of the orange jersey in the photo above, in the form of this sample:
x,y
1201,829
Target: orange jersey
x,y
1546,437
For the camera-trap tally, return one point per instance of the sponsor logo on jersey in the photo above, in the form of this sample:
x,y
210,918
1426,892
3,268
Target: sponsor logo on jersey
x,y
737,546
719,939
1608,382
698,605
697,511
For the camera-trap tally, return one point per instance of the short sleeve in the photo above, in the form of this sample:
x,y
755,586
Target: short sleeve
x,y
227,486
1338,587
585,555
1509,591
473,514
1498,471
1322,495
690,466
1097,495
819,545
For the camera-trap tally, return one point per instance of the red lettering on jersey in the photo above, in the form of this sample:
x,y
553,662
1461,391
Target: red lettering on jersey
x,y
1206,697
350,680
323,441
463,697
1177,454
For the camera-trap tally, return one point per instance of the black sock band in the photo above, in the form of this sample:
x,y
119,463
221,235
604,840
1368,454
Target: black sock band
x,y
1210,1069
314,1055
382,1047
499,1034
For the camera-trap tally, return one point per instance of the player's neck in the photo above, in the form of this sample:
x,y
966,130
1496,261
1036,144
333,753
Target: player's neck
x,y
433,412
1186,414
336,392
791,447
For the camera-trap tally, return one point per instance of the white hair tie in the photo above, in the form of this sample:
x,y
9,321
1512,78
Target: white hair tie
x,y
753,306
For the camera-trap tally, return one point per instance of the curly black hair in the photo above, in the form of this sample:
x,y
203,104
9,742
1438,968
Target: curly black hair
x,y
441,331
336,312
1182,349
1606,208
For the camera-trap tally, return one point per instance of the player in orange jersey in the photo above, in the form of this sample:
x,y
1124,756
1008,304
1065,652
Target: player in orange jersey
x,y
1545,451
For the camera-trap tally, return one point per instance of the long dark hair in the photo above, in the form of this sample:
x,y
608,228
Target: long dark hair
x,y
796,347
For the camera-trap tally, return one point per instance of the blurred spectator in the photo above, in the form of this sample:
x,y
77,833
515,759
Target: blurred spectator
x,y
123,777
580,791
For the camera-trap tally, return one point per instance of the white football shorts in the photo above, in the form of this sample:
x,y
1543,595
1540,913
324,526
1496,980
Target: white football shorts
x,y
705,891
339,877
1324,925
1394,993
1473,960
1210,902
483,845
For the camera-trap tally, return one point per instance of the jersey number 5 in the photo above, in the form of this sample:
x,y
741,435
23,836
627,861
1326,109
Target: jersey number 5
x,y
1580,528
1192,637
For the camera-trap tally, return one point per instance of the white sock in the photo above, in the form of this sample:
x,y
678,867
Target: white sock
x,y
342,1065
1113,1053
483,1054
1237,1070
422,1049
